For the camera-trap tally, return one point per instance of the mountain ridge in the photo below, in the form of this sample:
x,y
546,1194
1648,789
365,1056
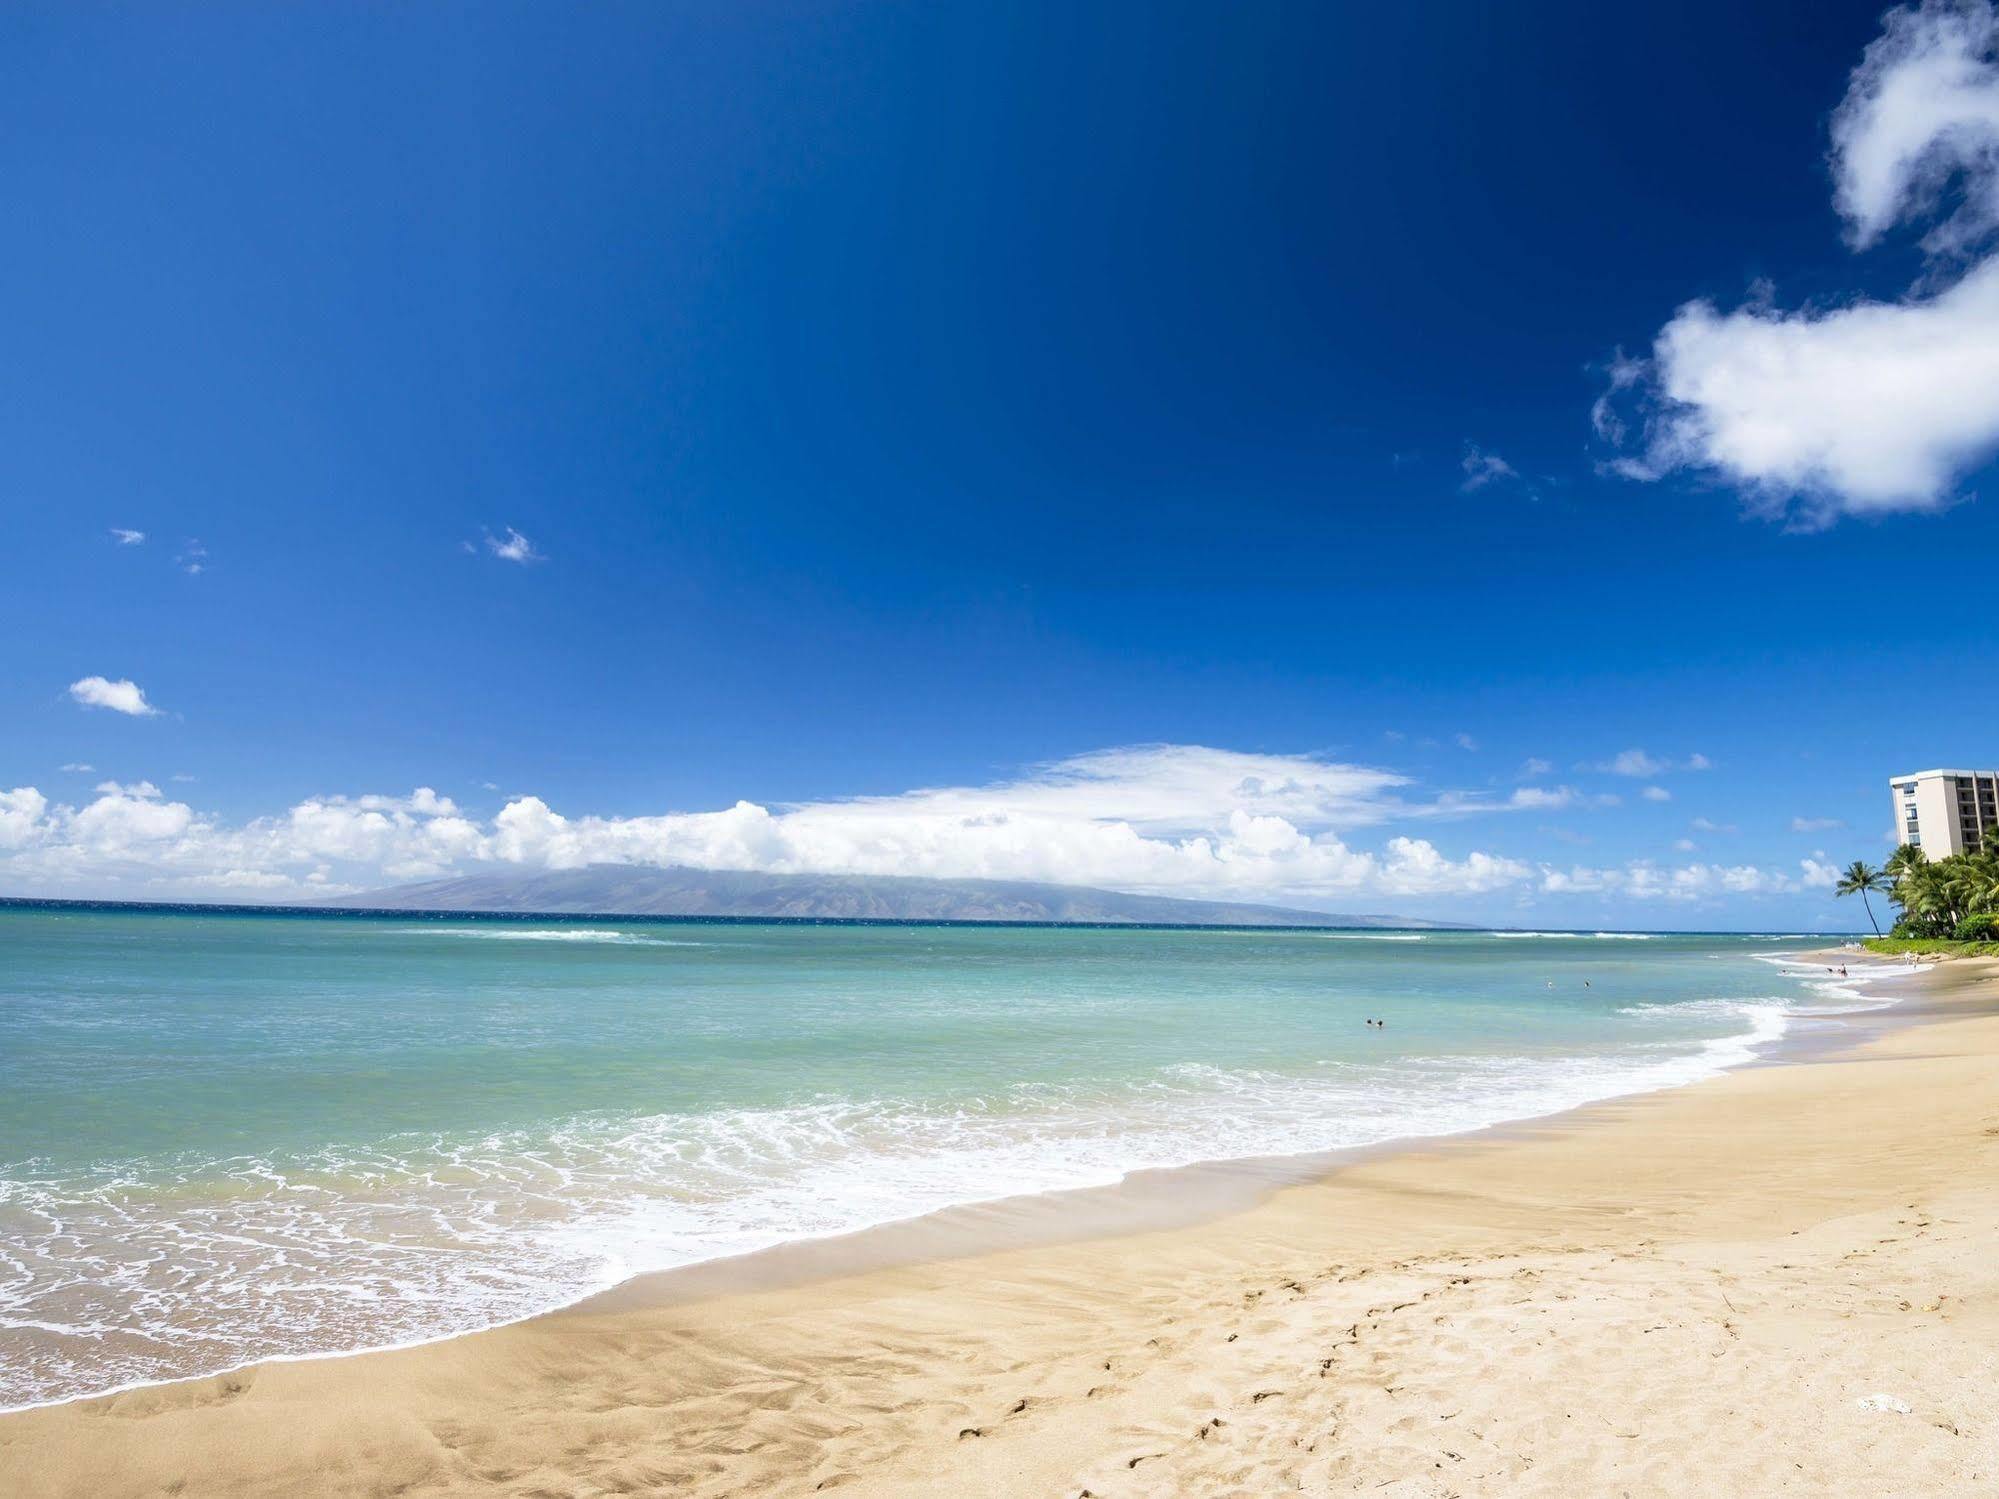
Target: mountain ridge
x,y
673,890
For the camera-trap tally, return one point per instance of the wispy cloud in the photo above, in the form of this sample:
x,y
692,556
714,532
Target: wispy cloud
x,y
193,558
127,538
1816,824
77,767
1542,798
513,547
1709,825
1482,468
1643,766
1643,880
1631,762
1534,767
1465,742
1656,794
121,696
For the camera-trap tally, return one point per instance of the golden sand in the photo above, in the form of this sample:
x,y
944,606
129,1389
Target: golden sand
x,y
1782,1281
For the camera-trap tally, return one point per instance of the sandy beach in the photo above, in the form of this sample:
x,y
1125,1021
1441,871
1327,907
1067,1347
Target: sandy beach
x,y
1783,1276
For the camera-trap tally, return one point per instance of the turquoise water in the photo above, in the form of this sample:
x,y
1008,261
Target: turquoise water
x,y
230,1137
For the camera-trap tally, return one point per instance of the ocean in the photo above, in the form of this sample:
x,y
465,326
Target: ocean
x,y
229,1137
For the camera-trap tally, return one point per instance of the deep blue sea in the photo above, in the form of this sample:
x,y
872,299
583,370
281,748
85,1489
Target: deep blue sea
x,y
228,1137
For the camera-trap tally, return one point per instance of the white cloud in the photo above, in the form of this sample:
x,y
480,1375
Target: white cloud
x,y
127,538
1464,741
513,547
423,801
143,790
121,696
1622,373
1815,824
1683,845
1531,799
1170,819
1869,407
1861,410
20,815
1482,468
244,880
1656,794
1157,818
193,558
1641,765
77,767
1922,108
1520,799
1533,767
1817,874
1167,819
1641,879
1709,825
1542,798
119,823
1632,762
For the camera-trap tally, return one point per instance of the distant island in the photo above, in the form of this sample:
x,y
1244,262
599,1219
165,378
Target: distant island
x,y
641,890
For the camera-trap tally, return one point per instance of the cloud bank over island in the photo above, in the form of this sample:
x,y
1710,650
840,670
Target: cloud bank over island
x,y
1152,819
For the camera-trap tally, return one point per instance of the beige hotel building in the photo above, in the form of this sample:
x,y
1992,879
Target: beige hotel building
x,y
1947,812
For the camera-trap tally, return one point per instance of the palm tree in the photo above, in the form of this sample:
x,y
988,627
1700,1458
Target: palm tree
x,y
1985,880
1860,878
1905,870
1926,899
1907,857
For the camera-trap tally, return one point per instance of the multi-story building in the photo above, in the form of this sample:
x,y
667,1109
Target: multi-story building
x,y
1947,812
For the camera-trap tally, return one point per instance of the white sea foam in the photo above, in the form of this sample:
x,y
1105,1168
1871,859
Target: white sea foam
x,y
423,1237
1837,994
1580,936
1374,936
134,1272
550,934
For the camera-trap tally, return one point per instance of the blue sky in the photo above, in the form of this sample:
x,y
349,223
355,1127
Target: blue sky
x,y
895,400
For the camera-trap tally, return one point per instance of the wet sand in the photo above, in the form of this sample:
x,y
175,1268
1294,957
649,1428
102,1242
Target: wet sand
x,y
1703,1290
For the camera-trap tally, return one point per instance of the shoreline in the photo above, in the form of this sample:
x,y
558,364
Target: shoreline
x,y
225,1419
1147,1198
1194,1193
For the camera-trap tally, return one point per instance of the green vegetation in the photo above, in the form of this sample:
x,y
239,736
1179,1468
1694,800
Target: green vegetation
x,y
1946,905
1894,947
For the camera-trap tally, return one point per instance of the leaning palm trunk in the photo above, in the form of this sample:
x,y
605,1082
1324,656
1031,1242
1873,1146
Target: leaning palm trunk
x,y
1860,878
